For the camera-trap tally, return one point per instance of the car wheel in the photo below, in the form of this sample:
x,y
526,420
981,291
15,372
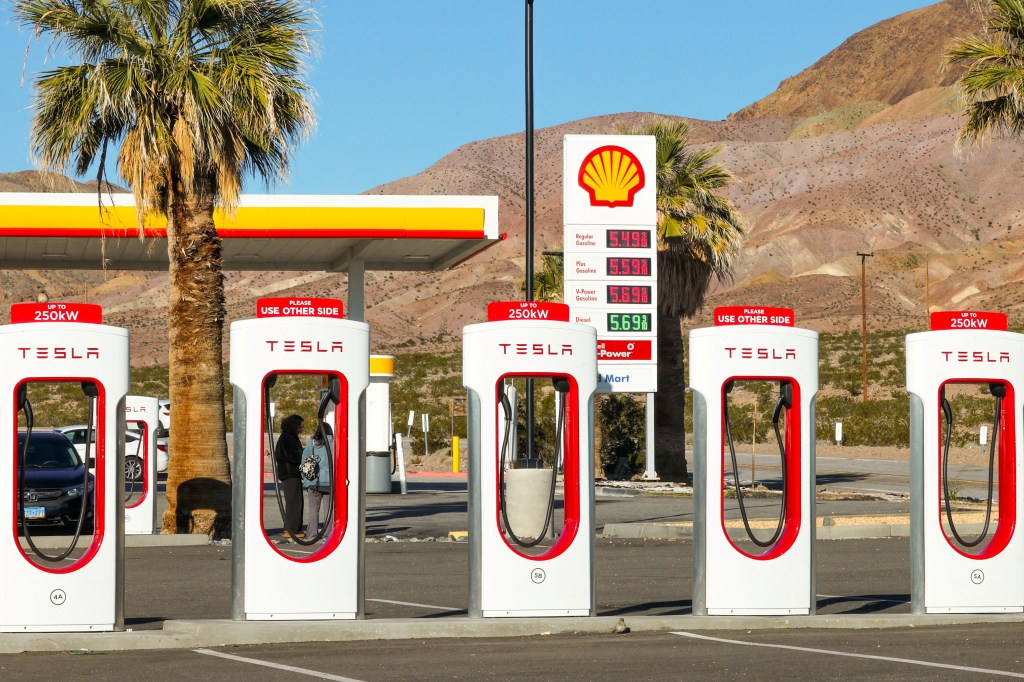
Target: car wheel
x,y
132,469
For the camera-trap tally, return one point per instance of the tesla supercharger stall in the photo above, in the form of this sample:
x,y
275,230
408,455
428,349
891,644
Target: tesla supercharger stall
x,y
82,587
140,466
965,562
767,570
299,338
522,563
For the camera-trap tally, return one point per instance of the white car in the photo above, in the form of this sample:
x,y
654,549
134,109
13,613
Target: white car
x,y
132,449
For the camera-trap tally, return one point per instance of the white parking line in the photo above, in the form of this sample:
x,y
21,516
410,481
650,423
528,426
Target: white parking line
x,y
419,606
829,652
276,666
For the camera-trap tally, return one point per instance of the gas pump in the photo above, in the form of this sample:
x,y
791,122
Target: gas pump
x,y
967,362
291,343
527,556
81,587
140,470
754,571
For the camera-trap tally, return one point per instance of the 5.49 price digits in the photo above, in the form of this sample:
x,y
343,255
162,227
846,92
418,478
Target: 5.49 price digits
x,y
627,293
629,239
629,267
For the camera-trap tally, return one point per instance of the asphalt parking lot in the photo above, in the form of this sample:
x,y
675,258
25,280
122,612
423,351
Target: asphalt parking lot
x,y
416,578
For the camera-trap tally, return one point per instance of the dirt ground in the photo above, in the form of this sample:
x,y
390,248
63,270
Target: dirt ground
x,y
441,460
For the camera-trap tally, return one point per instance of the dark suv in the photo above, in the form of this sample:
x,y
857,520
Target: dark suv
x,y
55,491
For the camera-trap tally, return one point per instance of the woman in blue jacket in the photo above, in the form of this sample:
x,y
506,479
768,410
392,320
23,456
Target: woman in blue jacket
x,y
318,481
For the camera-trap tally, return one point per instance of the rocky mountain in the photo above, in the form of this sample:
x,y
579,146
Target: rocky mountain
x,y
856,153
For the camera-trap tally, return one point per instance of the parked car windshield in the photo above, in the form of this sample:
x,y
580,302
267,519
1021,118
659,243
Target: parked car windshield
x,y
49,453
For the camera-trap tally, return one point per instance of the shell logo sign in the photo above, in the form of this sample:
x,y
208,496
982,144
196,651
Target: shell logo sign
x,y
612,176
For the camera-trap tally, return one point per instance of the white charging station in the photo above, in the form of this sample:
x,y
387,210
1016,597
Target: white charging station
x,y
140,415
741,577
298,336
534,341
63,342
948,576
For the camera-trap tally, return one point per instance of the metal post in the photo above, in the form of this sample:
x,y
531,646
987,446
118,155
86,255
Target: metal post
x,y
650,474
529,207
356,287
753,449
864,324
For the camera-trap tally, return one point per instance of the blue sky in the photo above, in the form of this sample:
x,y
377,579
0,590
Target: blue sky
x,y
401,83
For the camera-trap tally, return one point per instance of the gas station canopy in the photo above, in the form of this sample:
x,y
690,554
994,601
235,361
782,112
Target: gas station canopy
x,y
333,233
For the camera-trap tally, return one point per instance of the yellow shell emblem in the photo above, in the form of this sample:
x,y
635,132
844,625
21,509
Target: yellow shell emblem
x,y
612,176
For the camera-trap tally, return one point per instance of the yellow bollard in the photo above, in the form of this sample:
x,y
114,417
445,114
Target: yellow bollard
x,y
455,454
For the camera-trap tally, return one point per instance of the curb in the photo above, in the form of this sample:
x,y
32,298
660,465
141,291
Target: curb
x,y
190,634
660,531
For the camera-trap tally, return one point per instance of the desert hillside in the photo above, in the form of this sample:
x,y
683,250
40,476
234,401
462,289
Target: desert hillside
x,y
856,153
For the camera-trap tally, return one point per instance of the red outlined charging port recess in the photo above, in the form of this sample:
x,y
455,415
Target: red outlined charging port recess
x,y
339,500
143,428
1006,455
99,476
570,467
791,439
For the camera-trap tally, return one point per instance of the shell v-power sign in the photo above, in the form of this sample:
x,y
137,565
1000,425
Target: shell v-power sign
x,y
611,254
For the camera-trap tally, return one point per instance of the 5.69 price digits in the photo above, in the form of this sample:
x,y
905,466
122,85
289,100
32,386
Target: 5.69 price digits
x,y
628,293
629,322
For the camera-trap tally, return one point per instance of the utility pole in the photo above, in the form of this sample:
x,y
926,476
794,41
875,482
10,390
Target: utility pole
x,y
864,324
528,68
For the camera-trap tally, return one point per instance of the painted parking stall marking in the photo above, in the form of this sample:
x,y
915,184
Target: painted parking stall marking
x,y
849,654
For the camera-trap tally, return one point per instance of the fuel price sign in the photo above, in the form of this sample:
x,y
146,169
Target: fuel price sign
x,y
611,278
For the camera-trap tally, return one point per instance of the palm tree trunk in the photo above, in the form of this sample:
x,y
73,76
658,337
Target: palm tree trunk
x,y
198,477
670,403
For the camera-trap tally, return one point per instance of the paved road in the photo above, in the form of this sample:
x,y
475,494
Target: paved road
x,y
905,654
426,580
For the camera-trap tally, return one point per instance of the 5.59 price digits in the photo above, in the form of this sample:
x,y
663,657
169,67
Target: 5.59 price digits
x,y
629,267
626,293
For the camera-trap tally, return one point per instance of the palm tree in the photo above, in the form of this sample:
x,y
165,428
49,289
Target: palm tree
x,y
994,80
549,281
194,95
698,235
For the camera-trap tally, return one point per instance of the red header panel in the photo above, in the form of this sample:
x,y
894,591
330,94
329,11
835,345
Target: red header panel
x,y
969,319
527,310
779,317
299,307
89,313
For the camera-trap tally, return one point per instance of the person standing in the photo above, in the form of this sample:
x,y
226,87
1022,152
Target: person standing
x,y
288,457
317,482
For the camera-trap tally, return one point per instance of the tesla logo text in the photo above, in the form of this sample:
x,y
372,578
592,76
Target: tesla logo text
x,y
974,356
306,346
60,353
762,353
535,349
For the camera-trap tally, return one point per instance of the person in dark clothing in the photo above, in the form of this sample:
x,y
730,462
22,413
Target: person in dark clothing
x,y
288,457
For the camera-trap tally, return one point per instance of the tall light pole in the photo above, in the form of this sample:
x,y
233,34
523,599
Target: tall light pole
x,y
864,325
529,206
